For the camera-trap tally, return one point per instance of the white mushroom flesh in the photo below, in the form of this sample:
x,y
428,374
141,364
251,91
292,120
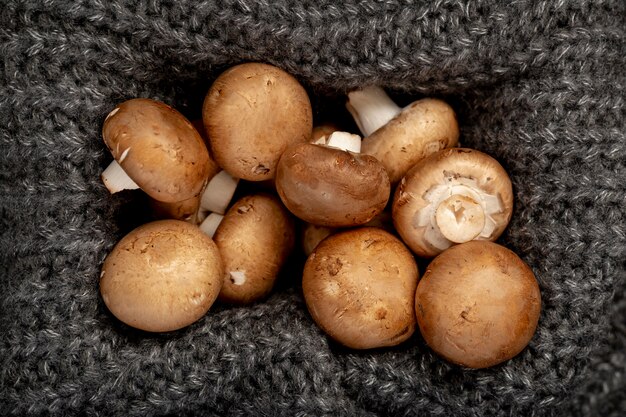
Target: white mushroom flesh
x,y
218,193
210,223
371,109
344,141
458,211
238,277
115,178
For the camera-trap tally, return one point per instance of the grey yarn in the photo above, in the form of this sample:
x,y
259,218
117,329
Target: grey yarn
x,y
538,85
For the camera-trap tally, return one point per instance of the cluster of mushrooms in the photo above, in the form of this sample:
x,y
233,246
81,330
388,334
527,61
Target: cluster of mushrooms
x,y
363,209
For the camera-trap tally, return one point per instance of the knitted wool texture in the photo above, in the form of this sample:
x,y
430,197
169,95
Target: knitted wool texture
x,y
538,85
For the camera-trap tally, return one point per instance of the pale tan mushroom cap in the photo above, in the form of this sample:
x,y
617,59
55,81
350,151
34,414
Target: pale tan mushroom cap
x,y
423,197
478,304
359,286
331,187
158,148
421,129
254,238
252,113
162,276
320,132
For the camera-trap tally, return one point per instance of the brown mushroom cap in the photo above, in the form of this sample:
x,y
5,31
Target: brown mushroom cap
x,y
254,238
158,148
162,276
186,210
452,196
331,187
312,235
322,131
252,112
422,128
478,304
359,286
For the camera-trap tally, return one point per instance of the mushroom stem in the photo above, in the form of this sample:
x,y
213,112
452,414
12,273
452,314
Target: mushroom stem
x,y
371,108
210,224
460,218
344,141
218,193
116,179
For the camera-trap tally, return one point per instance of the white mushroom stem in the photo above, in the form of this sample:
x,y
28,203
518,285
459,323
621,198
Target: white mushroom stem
x,y
218,193
210,223
116,179
344,141
371,109
457,213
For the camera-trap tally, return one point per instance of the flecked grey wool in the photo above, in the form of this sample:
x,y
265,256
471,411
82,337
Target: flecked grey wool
x,y
538,85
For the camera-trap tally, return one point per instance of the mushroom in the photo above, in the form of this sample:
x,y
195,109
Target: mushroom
x,y
311,234
254,238
321,132
327,186
156,149
400,137
162,276
478,304
451,197
359,287
252,112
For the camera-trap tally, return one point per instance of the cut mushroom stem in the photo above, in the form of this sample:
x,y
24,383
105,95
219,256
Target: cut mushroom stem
x,y
115,179
218,193
344,141
460,218
210,223
371,108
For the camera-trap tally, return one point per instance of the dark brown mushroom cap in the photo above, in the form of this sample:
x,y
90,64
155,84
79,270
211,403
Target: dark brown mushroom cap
x,y
330,187
359,286
422,128
478,304
447,169
162,276
158,148
252,112
254,238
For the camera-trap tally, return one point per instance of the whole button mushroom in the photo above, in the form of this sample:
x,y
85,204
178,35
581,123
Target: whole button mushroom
x,y
156,149
359,286
453,196
254,238
162,276
400,137
252,112
478,304
328,186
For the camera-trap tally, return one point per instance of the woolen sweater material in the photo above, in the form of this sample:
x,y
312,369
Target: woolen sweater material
x,y
537,85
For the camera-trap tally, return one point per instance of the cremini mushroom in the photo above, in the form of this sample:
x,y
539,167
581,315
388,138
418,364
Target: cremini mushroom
x,y
156,149
254,238
450,197
321,132
400,137
359,286
252,112
311,235
162,276
328,186
478,304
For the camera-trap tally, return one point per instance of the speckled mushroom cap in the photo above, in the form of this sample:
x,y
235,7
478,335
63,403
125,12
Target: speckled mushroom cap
x,y
158,148
359,286
330,187
421,129
252,112
478,304
255,238
450,197
162,276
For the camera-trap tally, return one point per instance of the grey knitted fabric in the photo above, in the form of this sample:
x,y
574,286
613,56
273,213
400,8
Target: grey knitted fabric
x,y
538,85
